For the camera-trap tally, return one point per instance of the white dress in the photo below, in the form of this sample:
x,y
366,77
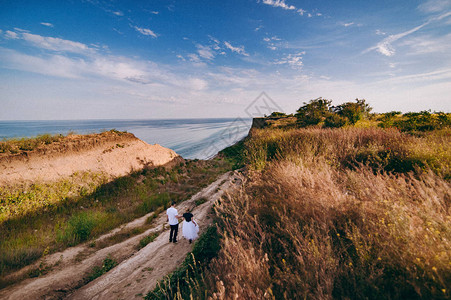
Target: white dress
x,y
189,230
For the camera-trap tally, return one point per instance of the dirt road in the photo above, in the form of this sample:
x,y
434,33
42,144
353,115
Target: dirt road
x,y
138,271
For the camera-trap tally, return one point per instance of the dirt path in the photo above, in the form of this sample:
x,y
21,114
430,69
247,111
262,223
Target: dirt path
x,y
138,271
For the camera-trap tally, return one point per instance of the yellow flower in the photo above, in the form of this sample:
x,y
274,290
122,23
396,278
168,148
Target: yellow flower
x,y
434,269
338,234
444,291
379,258
350,264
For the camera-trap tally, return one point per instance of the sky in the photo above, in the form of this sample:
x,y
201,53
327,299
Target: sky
x,y
108,59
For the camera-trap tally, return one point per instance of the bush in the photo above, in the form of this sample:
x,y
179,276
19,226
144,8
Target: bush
x,y
147,239
334,121
423,121
97,271
313,113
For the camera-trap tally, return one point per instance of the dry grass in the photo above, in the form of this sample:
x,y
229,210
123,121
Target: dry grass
x,y
313,223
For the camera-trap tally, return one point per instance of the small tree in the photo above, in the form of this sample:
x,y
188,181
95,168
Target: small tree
x,y
353,111
314,112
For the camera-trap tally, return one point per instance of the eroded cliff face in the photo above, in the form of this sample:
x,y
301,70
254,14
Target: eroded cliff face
x,y
111,153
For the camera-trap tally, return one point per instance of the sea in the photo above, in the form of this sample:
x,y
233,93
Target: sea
x,y
190,138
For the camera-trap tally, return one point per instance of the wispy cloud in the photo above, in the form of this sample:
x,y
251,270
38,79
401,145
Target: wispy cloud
x,y
205,52
239,49
11,35
117,13
293,60
145,31
429,44
282,4
435,6
47,24
49,43
279,3
348,24
270,42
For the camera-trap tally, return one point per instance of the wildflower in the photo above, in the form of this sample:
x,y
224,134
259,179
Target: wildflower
x,y
444,291
379,258
283,260
434,269
418,259
338,234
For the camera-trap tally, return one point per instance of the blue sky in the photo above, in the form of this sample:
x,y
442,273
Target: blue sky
x,y
99,59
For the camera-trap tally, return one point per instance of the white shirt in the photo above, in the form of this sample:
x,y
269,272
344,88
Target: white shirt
x,y
172,212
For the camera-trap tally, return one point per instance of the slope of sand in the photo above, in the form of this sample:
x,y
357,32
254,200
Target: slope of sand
x,y
111,153
138,271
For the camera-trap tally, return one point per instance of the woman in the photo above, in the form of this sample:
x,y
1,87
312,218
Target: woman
x,y
190,229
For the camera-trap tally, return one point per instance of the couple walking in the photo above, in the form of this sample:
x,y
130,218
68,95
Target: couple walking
x,y
189,226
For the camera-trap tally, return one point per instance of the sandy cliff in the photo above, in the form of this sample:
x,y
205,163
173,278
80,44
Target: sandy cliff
x,y
113,153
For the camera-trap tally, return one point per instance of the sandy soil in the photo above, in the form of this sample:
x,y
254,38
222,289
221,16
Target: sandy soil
x,y
138,271
110,153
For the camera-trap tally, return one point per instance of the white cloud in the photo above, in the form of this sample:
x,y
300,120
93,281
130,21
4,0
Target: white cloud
x,y
379,32
386,48
194,57
348,24
155,12
434,6
293,60
301,11
428,44
55,44
11,35
47,24
279,3
239,50
118,13
205,52
145,31
50,43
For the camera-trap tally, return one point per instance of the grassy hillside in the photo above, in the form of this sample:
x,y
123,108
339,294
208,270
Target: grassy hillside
x,y
357,213
41,218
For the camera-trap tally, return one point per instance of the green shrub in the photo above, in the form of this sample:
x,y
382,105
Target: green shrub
x,y
334,121
313,113
97,271
147,239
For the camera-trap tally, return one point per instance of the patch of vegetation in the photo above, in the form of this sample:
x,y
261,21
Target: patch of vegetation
x,y
108,264
201,201
147,239
14,146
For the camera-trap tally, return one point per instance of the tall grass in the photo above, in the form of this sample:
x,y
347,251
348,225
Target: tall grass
x,y
327,214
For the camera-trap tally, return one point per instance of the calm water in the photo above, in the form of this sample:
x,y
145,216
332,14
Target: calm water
x,y
190,138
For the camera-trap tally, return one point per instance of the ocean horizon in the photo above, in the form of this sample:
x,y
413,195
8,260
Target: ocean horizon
x,y
198,138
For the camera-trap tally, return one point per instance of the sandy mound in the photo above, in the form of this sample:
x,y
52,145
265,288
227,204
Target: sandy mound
x,y
112,153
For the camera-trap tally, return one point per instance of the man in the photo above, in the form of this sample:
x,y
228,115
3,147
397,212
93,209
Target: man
x,y
172,217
